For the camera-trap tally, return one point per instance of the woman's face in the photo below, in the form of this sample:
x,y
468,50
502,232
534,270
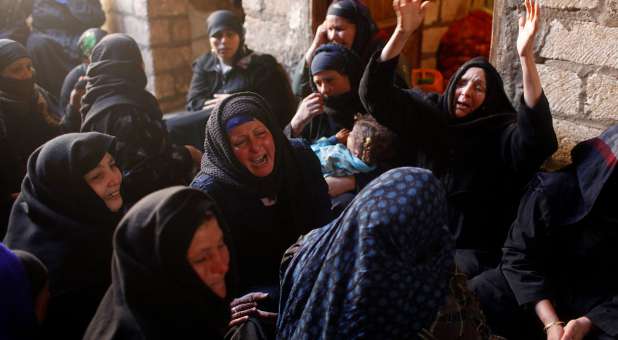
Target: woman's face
x,y
105,180
225,44
209,257
340,30
20,69
331,83
470,92
254,147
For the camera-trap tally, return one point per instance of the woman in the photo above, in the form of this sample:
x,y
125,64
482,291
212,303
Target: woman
x,y
65,215
348,23
270,190
483,150
172,271
231,67
379,271
117,103
29,117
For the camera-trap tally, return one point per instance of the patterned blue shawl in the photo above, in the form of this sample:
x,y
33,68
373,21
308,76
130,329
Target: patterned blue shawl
x,y
379,271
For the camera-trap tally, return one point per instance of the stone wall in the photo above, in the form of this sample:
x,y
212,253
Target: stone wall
x,y
439,16
279,27
577,57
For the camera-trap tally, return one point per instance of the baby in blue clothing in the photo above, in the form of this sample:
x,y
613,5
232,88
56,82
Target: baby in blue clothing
x,y
351,152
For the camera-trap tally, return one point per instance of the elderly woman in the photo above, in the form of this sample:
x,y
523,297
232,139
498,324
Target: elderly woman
x,y
65,215
379,271
482,149
117,103
173,271
270,190
231,67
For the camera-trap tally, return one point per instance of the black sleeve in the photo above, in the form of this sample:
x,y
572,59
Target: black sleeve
x,y
201,88
522,252
529,142
69,83
301,82
148,160
605,316
272,83
88,12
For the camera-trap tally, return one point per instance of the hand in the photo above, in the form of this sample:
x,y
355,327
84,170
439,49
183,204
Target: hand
x,y
196,155
310,107
410,14
211,103
340,185
342,136
555,332
246,306
76,99
577,329
320,38
528,26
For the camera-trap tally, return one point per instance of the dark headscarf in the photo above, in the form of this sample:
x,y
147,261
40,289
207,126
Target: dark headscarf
x,y
224,19
496,101
155,293
11,51
15,89
115,77
60,219
342,108
89,39
17,315
358,14
379,271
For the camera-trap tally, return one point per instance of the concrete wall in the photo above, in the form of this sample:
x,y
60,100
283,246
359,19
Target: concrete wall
x,y
577,56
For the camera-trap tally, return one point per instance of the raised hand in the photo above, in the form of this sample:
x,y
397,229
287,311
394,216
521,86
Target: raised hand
x,y
410,14
247,306
528,26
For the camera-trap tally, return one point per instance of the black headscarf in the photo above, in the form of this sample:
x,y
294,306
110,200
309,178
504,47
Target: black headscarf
x,y
116,76
496,101
15,89
342,108
358,14
155,293
60,219
224,19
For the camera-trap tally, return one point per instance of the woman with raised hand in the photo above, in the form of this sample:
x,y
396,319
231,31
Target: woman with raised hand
x,y
65,215
116,102
173,271
481,148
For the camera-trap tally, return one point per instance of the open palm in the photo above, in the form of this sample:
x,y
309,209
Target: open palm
x,y
410,13
528,26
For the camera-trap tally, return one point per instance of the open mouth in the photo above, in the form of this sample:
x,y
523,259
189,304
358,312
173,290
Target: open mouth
x,y
259,161
113,195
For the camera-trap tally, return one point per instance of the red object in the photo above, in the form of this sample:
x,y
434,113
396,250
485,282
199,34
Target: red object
x,y
428,80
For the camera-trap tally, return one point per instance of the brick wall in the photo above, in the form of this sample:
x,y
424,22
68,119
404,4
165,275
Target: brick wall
x,y
577,56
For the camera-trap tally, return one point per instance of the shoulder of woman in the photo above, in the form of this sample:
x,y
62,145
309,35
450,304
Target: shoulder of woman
x,y
204,62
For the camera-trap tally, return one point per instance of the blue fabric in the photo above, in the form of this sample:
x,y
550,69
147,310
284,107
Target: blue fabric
x,y
337,160
17,318
236,121
379,271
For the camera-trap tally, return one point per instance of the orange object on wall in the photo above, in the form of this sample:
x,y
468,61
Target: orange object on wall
x,y
428,80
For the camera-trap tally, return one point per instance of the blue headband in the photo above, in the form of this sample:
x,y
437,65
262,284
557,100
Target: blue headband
x,y
237,120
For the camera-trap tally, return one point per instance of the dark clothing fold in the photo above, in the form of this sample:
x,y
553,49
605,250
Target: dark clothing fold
x,y
484,160
265,214
155,292
255,72
69,84
562,245
63,222
117,103
13,20
381,270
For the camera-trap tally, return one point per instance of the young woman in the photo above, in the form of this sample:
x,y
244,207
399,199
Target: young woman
x,y
482,149
65,215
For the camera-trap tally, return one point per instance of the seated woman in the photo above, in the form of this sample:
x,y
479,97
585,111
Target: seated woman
x,y
231,67
173,271
117,103
482,149
347,23
270,190
381,270
56,28
560,255
65,215
29,117
23,292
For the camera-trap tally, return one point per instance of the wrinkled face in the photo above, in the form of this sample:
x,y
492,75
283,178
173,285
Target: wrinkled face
x,y
254,147
340,30
20,69
225,44
331,83
209,257
470,92
105,180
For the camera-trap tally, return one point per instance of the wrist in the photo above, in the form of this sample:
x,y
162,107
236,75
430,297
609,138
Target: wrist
x,y
551,325
403,33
